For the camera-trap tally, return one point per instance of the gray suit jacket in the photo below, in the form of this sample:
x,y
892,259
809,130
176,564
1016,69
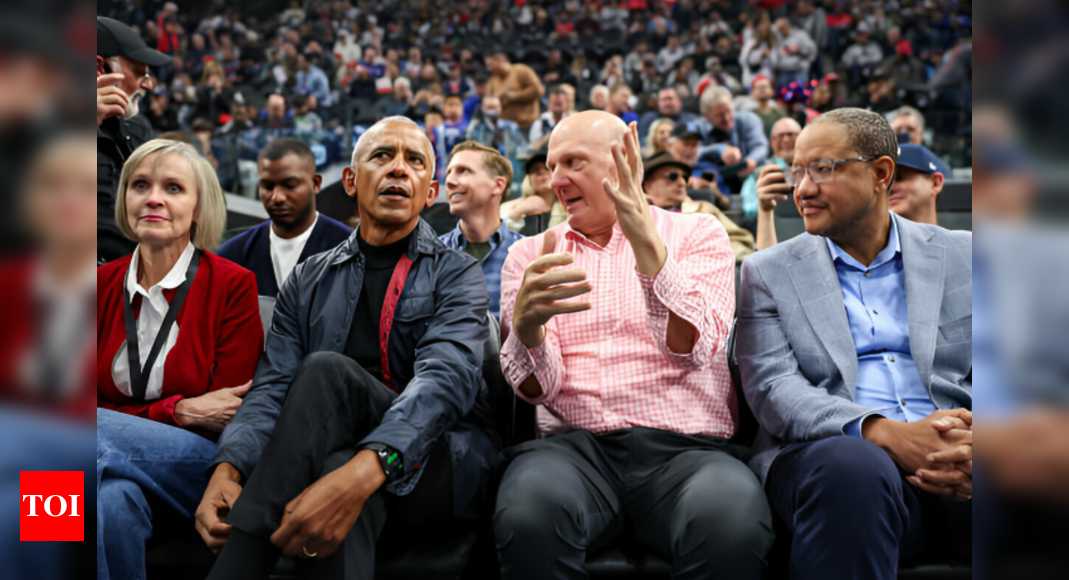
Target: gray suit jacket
x,y
796,355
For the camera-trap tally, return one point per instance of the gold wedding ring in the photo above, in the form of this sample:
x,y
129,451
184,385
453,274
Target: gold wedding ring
x,y
305,550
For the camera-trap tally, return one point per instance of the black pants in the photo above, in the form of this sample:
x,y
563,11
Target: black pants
x,y
687,498
331,406
853,515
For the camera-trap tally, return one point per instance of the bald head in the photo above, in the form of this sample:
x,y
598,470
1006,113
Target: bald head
x,y
784,134
580,159
597,126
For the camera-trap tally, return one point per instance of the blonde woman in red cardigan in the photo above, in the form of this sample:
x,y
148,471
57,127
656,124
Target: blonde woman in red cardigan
x,y
178,339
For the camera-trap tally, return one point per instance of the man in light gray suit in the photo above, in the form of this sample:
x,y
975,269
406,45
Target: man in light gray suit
x,y
855,351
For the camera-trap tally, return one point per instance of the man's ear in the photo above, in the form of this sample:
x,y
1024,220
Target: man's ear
x,y
317,182
501,185
100,67
885,172
433,194
937,183
348,180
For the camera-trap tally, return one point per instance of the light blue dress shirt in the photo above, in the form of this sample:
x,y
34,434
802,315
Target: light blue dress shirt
x,y
492,263
875,300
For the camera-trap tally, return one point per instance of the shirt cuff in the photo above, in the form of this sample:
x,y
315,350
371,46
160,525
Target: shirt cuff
x,y
520,362
162,411
855,428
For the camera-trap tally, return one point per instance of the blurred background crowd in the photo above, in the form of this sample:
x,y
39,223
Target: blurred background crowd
x,y
504,73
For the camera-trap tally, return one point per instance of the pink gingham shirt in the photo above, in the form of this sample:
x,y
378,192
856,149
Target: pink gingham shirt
x,y
610,367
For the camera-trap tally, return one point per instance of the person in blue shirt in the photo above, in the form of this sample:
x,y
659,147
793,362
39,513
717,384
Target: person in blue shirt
x,y
474,103
450,133
311,80
620,102
288,188
477,179
854,346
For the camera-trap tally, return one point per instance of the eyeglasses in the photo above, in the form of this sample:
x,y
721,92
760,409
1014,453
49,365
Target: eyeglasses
x,y
820,170
672,176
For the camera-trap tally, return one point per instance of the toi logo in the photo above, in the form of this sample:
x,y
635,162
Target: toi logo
x,y
52,506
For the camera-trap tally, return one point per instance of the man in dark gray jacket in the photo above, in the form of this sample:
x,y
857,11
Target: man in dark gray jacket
x,y
362,422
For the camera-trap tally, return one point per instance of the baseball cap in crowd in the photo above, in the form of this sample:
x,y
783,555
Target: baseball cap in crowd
x,y
659,160
831,78
688,130
539,156
904,48
920,158
117,39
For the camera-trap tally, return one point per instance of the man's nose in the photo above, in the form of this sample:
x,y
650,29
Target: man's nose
x,y
147,84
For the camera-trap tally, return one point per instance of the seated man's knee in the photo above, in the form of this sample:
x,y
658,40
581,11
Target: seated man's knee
x,y
849,463
321,372
724,515
532,502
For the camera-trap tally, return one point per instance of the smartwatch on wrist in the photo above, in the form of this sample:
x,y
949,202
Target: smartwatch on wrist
x,y
389,459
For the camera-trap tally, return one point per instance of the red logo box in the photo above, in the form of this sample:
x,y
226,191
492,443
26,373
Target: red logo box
x,y
52,506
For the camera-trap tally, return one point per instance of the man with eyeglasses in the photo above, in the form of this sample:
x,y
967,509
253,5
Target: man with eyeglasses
x,y
855,353
665,185
123,80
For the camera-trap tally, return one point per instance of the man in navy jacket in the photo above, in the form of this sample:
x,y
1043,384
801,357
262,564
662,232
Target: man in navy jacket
x,y
366,419
288,188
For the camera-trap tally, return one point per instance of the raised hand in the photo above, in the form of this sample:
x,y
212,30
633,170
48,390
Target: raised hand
x,y
632,208
111,100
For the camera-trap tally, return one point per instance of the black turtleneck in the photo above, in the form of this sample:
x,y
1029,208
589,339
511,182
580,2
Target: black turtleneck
x,y
379,263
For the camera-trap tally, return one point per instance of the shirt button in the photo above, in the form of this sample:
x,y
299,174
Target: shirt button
x,y
891,358
867,273
903,401
876,312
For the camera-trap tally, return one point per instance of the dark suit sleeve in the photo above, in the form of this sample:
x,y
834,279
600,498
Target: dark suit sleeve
x,y
245,438
783,400
448,367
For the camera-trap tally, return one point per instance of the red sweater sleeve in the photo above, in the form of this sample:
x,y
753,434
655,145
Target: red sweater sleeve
x,y
161,410
241,334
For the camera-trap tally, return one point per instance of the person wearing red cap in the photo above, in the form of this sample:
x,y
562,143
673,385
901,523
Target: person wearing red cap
x,y
904,68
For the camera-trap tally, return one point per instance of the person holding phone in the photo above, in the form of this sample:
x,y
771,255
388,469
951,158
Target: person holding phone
x,y
123,80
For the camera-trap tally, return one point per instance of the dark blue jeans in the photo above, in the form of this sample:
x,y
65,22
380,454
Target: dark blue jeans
x,y
139,461
852,514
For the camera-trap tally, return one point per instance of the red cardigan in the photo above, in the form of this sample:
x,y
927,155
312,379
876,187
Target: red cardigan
x,y
220,336
20,334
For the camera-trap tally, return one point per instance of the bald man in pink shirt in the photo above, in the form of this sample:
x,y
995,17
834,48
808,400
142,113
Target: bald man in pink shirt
x,y
616,324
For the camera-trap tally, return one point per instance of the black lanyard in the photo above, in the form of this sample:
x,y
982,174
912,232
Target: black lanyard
x,y
138,375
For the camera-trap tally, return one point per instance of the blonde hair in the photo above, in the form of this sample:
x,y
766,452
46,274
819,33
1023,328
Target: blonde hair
x,y
211,205
651,136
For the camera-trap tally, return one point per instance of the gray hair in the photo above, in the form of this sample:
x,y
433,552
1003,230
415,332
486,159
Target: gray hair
x,y
869,133
402,81
395,119
907,111
714,94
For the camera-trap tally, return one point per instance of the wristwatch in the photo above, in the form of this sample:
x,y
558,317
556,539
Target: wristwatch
x,y
389,459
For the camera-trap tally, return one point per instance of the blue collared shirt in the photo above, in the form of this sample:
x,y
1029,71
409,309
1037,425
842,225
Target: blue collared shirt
x,y
492,263
875,298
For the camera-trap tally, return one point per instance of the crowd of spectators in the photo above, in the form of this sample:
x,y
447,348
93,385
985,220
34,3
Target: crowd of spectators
x,y
504,73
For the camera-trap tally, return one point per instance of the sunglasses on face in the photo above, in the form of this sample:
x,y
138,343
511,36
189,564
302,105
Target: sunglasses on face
x,y
674,175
